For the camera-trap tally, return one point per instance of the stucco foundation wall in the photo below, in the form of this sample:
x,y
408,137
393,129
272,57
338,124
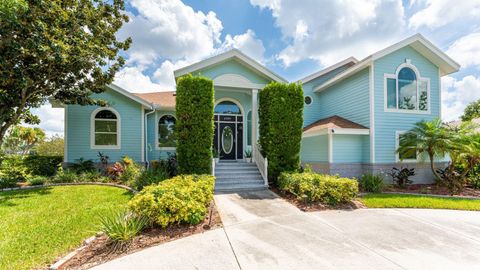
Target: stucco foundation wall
x,y
423,173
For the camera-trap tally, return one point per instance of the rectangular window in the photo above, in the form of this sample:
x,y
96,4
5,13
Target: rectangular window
x,y
391,93
423,95
408,155
105,132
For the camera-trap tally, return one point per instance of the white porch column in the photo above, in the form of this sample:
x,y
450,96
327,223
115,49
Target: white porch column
x,y
254,120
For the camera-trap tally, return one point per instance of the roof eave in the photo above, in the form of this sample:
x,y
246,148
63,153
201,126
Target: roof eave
x,y
328,69
354,69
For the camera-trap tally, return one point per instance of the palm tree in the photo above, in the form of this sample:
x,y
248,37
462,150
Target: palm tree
x,y
432,138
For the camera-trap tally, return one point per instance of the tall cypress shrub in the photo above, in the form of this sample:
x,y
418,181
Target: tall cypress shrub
x,y
281,123
194,126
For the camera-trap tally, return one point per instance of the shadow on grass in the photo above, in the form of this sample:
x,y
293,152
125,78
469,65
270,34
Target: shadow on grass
x,y
7,196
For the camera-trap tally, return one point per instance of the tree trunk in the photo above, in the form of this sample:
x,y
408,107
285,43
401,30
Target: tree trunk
x,y
432,167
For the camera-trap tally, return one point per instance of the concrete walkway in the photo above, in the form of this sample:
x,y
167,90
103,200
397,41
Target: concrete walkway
x,y
262,231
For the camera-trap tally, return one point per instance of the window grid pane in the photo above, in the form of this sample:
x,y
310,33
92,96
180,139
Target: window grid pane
x,y
166,131
391,93
105,139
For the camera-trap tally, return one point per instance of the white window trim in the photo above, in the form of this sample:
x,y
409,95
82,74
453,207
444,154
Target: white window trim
x,y
251,128
395,76
157,118
311,98
92,129
397,144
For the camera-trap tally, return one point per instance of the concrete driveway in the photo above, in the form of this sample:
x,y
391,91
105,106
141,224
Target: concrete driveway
x,y
262,231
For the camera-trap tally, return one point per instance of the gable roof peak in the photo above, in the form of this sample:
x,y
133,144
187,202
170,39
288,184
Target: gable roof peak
x,y
233,53
348,61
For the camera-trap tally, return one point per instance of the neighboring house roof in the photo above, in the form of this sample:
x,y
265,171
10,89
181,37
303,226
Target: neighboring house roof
x,y
160,99
347,62
334,122
223,57
418,42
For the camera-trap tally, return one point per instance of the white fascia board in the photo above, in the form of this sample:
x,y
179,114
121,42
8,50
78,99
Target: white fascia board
x,y
351,131
308,134
354,69
129,95
327,70
234,53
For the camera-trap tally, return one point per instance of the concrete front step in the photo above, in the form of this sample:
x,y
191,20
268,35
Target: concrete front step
x,y
239,182
238,175
235,165
231,188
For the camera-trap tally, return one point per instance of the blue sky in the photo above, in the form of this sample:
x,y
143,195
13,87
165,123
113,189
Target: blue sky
x,y
293,38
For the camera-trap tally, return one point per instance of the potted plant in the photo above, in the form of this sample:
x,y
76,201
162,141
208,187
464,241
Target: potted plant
x,y
248,155
215,155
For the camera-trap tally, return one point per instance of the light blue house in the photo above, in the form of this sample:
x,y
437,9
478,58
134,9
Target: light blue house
x,y
355,111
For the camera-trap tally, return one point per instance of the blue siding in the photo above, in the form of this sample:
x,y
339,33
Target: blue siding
x,y
387,123
233,67
78,129
348,148
314,149
347,99
311,112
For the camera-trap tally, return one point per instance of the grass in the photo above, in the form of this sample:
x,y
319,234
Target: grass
x,y
38,225
415,201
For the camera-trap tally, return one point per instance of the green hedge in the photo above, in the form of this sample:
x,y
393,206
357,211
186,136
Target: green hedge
x,y
181,199
194,127
42,165
313,187
280,122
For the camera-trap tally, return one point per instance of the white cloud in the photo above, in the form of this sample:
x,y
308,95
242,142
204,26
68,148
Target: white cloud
x,y
133,80
456,94
334,30
247,43
170,29
438,13
51,119
466,50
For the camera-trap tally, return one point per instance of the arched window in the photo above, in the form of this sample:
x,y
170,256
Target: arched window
x,y
407,90
249,128
166,131
227,107
106,129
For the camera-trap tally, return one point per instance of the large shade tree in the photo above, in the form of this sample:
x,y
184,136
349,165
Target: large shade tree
x,y
61,49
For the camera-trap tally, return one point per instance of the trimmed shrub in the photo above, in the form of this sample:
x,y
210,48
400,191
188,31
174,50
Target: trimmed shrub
x,y
37,180
281,121
182,199
313,187
42,165
372,183
194,126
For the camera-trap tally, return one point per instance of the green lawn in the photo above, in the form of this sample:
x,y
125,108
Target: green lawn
x,y
38,225
415,201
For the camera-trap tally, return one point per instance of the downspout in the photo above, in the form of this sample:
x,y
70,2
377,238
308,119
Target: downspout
x,y
146,134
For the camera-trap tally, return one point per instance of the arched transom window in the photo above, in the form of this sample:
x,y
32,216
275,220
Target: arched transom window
x,y
166,131
106,129
406,90
227,107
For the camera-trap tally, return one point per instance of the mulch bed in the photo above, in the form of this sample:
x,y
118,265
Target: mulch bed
x,y
317,206
432,189
101,251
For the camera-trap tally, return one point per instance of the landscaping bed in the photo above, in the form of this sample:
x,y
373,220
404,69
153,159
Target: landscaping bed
x,y
311,191
101,251
316,206
432,189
